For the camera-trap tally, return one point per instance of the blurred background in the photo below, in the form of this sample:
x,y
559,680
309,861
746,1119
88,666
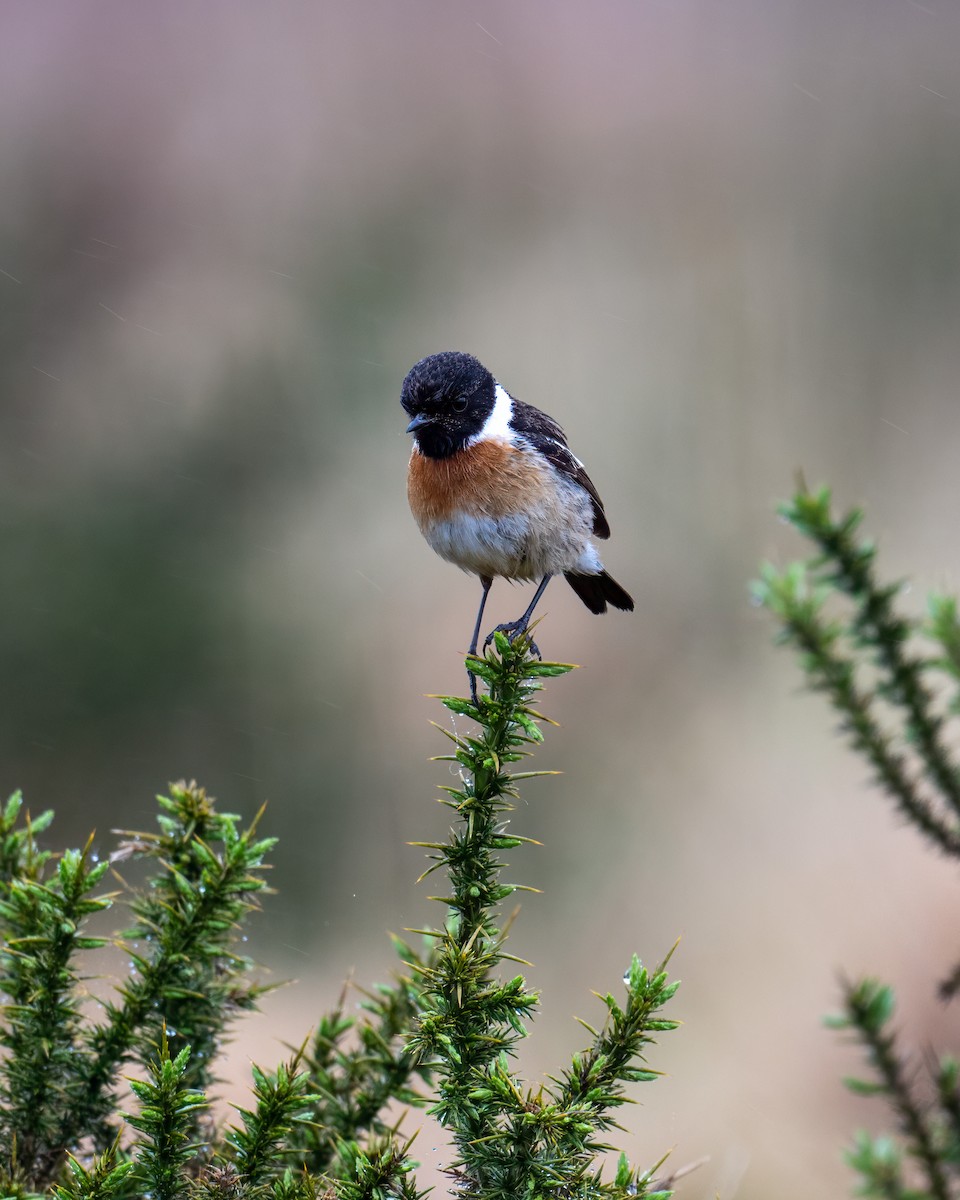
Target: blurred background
x,y
717,242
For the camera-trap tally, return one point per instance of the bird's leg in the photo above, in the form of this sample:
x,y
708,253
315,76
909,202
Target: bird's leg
x,y
513,629
485,582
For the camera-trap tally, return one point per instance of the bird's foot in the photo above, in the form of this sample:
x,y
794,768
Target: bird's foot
x,y
513,630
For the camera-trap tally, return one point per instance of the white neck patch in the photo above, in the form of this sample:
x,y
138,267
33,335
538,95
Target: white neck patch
x,y
496,428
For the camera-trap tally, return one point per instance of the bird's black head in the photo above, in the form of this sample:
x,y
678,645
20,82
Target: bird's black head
x,y
449,397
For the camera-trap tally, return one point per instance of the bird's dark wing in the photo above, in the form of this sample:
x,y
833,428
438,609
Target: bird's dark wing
x,y
546,436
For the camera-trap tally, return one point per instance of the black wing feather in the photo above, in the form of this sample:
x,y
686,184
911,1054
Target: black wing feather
x,y
546,436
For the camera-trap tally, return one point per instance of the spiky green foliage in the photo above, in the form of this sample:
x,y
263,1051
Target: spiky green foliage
x,y
62,1072
166,1122
325,1124
357,1068
258,1144
866,660
926,1125
893,677
512,1140
20,857
104,1179
381,1170
42,1033
188,976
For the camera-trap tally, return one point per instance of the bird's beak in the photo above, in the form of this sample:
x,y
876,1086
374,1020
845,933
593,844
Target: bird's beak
x,y
418,422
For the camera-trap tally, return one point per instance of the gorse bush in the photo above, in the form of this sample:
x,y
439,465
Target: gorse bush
x,y
114,1101
894,679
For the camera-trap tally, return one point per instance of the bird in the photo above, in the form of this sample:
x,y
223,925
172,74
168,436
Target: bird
x,y
496,490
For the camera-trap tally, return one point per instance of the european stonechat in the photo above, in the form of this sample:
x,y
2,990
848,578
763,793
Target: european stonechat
x,y
495,488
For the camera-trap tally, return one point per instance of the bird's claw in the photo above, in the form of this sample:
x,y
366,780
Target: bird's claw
x,y
513,630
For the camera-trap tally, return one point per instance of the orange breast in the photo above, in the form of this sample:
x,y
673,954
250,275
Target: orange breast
x,y
491,479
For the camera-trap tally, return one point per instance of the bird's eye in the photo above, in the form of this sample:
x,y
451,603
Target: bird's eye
x,y
460,404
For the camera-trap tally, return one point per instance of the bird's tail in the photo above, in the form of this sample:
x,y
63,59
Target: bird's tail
x,y
597,591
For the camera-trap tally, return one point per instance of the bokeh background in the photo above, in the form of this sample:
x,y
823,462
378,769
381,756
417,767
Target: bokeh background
x,y
719,242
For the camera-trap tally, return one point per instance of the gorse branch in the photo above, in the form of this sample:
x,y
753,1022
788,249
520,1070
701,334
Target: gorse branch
x,y
283,1101
510,1140
799,605
864,662
104,1178
596,1079
61,1073
189,981
848,564
20,857
41,1086
356,1068
166,1121
469,1018
883,670
868,1009
383,1170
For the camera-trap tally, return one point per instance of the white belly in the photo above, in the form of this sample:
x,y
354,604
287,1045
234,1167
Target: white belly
x,y
527,545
